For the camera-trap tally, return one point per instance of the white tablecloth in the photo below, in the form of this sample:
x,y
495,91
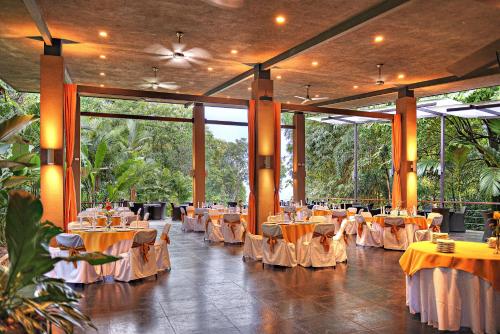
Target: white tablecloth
x,y
449,299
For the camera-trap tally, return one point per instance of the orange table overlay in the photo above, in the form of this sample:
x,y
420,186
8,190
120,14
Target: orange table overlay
x,y
420,221
101,241
473,257
292,232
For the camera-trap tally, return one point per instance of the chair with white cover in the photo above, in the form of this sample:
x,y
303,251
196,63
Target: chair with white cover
x,y
213,231
367,235
351,228
201,217
161,249
320,250
139,224
78,225
435,226
253,246
276,250
140,260
146,216
184,223
71,272
232,228
352,210
395,236
340,241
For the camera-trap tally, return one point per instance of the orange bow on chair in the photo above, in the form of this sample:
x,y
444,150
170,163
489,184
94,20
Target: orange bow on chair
x,y
360,228
271,241
232,225
198,217
394,230
435,228
324,239
144,248
72,251
165,238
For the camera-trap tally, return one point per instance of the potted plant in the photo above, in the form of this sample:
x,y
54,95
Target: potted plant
x,y
29,301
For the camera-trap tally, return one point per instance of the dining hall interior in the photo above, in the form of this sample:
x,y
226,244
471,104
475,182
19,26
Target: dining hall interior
x,y
361,194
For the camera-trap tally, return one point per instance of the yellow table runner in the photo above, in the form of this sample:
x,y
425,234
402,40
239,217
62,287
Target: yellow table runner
x,y
420,221
473,257
101,241
292,232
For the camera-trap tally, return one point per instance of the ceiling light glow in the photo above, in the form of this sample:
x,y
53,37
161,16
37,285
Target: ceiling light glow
x,y
378,39
102,74
210,69
355,86
278,77
314,63
280,19
401,76
234,51
102,56
103,34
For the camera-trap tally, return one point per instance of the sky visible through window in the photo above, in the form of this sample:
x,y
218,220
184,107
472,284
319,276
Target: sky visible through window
x,y
231,133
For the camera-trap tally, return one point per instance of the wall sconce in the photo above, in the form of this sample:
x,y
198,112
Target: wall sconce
x,y
50,156
412,166
265,162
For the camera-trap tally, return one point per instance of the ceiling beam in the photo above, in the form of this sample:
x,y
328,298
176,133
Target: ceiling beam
x,y
489,111
474,106
36,15
430,111
415,85
138,117
334,111
337,30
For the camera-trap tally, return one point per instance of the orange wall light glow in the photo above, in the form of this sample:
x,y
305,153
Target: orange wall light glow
x,y
51,185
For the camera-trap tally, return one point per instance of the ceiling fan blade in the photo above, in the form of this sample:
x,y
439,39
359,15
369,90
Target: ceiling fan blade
x,y
319,98
225,3
300,97
179,63
305,101
145,85
198,53
168,85
178,47
158,49
480,59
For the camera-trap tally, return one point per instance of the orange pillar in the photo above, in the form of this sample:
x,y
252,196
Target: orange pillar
x,y
199,172
52,138
299,158
406,105
262,92
76,156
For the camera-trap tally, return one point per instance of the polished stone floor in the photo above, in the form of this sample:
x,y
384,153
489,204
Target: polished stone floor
x,y
211,290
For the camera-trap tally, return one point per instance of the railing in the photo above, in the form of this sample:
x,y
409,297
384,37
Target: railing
x,y
86,205
473,215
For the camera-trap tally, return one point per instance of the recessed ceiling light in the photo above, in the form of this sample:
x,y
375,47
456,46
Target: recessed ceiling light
x,y
401,76
378,38
102,74
355,86
278,77
288,102
234,51
177,92
280,19
317,95
101,85
103,34
102,56
314,63
210,69
249,88
228,96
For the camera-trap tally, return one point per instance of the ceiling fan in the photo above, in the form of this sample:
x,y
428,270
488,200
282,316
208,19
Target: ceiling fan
x,y
177,56
379,81
307,98
153,82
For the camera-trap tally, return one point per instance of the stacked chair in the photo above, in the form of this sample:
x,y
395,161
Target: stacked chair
x,y
275,250
395,236
435,226
367,235
72,272
232,229
320,251
140,260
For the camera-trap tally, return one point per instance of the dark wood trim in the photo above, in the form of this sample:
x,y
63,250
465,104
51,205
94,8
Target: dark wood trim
x,y
308,108
416,85
139,117
154,95
337,30
36,16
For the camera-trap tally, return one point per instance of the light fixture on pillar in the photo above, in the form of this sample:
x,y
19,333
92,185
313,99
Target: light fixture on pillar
x,y
412,166
50,156
265,161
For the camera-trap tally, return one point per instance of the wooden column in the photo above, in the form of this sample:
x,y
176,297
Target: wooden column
x,y
406,105
52,138
76,155
262,92
299,158
199,172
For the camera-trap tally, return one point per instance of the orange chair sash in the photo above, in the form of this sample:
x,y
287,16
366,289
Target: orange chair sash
x,y
165,238
360,228
198,217
435,228
144,249
72,251
272,240
394,230
324,239
232,225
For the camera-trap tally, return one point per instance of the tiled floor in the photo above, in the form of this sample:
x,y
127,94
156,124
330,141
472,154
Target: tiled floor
x,y
211,290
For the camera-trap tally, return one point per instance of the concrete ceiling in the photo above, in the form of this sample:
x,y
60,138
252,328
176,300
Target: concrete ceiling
x,y
421,40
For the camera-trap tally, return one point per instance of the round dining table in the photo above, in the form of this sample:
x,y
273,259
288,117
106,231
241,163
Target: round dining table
x,y
293,232
102,240
419,221
453,290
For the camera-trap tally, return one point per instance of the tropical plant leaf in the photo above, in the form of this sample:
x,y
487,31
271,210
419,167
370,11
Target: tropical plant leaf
x,y
490,181
10,164
14,125
100,154
15,181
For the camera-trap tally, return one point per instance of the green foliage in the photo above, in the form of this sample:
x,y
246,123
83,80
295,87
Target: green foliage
x,y
28,299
